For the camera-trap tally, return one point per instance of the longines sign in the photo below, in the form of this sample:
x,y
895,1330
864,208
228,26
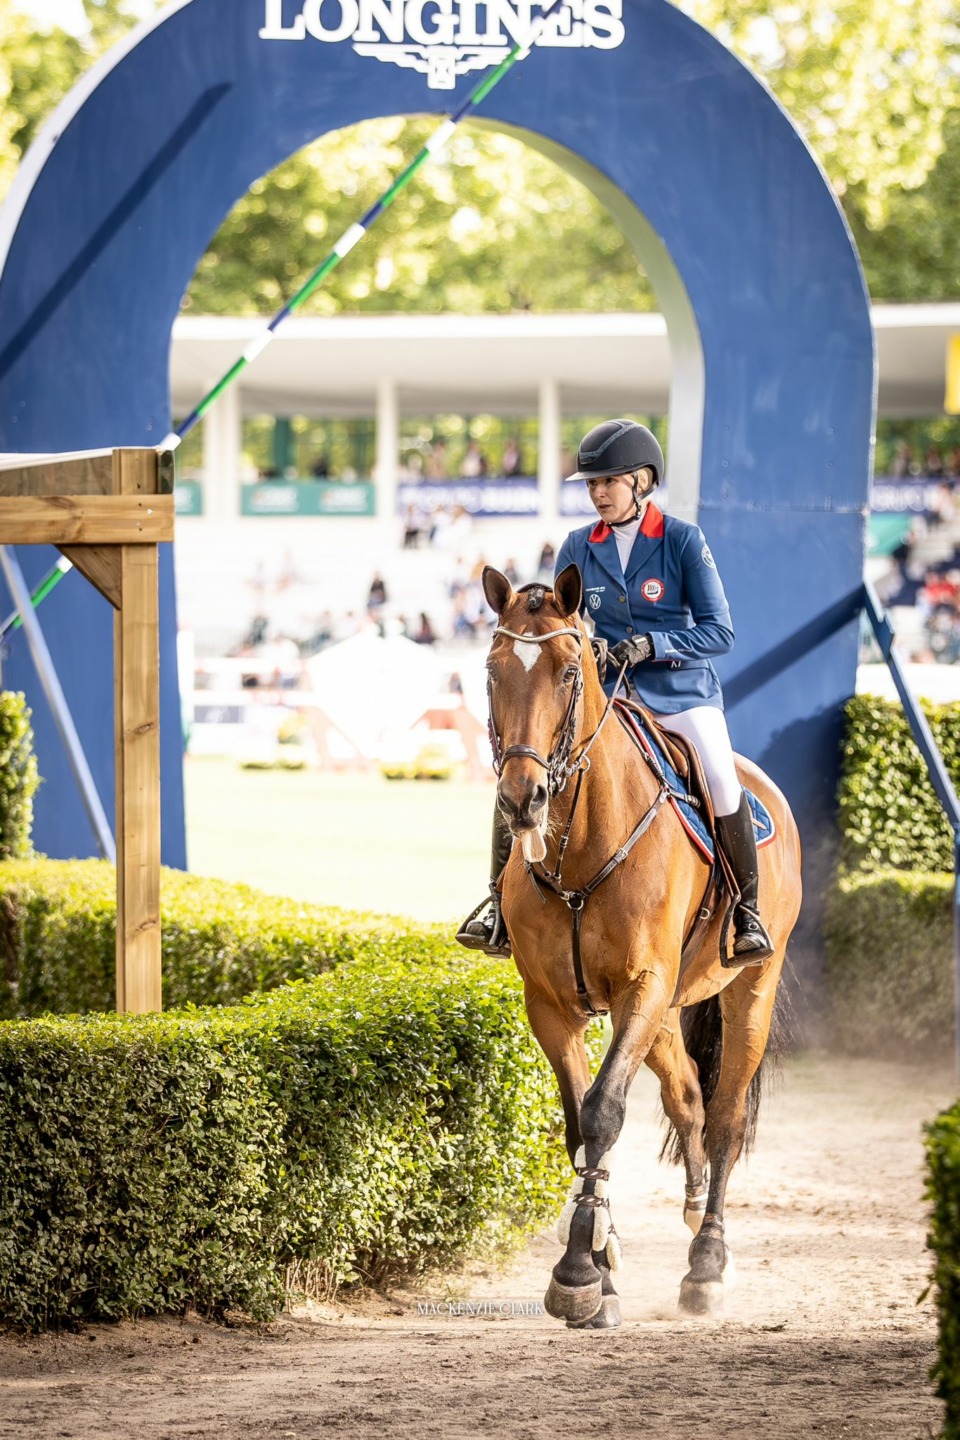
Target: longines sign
x,y
443,38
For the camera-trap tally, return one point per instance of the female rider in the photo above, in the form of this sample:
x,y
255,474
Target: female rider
x,y
651,588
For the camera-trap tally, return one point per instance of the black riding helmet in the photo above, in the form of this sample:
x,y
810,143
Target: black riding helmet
x,y
619,447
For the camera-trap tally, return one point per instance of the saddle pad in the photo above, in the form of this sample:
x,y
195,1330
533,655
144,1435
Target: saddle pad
x,y
690,818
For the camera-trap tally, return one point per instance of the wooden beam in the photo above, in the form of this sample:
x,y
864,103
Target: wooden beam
x,y
137,738
137,472
90,474
142,519
137,745
101,566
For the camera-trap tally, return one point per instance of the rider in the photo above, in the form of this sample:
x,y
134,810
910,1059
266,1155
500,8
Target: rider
x,y
651,588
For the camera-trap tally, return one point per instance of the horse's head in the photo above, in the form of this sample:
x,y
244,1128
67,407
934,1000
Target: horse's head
x,y
535,682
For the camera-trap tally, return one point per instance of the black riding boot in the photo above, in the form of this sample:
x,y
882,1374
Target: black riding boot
x,y
751,943
484,929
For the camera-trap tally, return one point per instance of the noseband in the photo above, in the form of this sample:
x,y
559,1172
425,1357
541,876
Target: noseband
x,y
557,764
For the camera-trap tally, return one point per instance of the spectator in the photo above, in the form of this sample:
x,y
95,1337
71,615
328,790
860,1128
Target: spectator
x,y
436,468
902,460
941,504
411,529
937,591
512,463
321,467
511,572
460,527
425,633
546,564
933,464
377,595
474,464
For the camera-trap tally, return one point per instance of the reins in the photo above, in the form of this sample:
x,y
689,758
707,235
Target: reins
x,y
560,767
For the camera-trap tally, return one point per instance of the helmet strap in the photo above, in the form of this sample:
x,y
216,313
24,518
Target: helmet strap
x,y
639,502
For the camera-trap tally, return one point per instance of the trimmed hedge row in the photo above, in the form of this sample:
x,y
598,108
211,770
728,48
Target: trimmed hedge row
x,y
220,942
889,961
889,812
18,776
378,1120
943,1194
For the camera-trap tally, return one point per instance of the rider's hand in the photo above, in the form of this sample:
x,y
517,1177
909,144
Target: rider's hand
x,y
633,651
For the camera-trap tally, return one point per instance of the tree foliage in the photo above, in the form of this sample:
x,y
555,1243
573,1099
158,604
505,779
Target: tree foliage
x,y
493,226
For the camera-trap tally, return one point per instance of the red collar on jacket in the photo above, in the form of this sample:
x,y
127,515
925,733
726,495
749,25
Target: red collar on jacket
x,y
651,525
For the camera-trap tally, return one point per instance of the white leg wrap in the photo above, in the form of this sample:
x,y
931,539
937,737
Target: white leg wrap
x,y
601,1188
614,1252
563,1224
601,1227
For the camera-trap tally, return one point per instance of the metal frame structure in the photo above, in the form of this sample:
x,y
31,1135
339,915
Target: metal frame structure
x,y
939,777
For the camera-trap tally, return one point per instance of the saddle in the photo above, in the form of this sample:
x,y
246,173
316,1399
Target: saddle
x,y
680,760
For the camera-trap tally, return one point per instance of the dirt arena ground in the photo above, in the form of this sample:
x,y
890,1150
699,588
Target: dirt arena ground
x,y
823,1336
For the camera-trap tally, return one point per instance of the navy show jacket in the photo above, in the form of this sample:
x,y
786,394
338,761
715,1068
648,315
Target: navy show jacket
x,y
671,592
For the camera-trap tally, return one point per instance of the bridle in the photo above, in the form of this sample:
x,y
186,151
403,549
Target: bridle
x,y
557,764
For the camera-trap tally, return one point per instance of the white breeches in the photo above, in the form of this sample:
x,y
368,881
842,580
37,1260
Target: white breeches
x,y
706,726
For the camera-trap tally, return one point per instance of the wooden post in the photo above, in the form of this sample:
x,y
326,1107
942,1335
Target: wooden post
x,y
136,664
107,511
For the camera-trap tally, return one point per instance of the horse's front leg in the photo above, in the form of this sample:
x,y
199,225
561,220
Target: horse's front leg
x,y
581,1289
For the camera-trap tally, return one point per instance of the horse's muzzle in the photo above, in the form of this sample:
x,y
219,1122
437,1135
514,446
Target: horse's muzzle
x,y
523,802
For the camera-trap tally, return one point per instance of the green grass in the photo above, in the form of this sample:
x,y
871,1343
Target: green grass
x,y
402,847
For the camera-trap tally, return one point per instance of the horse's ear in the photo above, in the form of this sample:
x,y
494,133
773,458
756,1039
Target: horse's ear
x,y
568,589
497,588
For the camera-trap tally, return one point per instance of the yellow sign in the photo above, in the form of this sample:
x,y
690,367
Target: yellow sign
x,y
951,402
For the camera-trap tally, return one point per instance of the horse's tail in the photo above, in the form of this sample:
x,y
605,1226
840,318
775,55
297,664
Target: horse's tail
x,y
702,1029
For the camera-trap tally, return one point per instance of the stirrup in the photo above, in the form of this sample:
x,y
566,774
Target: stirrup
x,y
486,933
751,943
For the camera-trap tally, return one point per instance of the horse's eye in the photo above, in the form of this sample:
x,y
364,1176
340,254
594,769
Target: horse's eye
x,y
571,673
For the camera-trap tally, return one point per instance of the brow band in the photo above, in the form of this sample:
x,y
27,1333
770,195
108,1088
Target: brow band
x,y
539,639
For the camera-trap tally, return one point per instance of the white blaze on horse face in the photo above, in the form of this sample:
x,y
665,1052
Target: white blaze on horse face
x,y
526,653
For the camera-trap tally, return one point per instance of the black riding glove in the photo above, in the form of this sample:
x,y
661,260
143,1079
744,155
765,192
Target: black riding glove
x,y
631,652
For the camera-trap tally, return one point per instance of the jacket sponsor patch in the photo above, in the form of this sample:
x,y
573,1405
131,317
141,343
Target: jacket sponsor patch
x,y
707,558
652,590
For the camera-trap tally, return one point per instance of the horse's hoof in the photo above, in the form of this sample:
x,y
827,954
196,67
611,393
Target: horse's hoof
x,y
701,1297
574,1303
606,1318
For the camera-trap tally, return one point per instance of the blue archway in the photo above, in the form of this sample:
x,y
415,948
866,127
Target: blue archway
x,y
729,211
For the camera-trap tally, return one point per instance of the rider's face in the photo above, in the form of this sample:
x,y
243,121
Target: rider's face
x,y
613,496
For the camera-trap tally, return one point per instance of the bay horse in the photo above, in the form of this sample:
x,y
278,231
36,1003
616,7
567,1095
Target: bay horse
x,y
603,882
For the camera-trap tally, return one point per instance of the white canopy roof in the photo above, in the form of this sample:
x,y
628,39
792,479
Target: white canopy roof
x,y
494,363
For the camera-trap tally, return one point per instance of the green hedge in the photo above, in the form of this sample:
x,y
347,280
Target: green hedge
x,y
943,1193
889,812
18,777
374,1121
220,942
889,961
